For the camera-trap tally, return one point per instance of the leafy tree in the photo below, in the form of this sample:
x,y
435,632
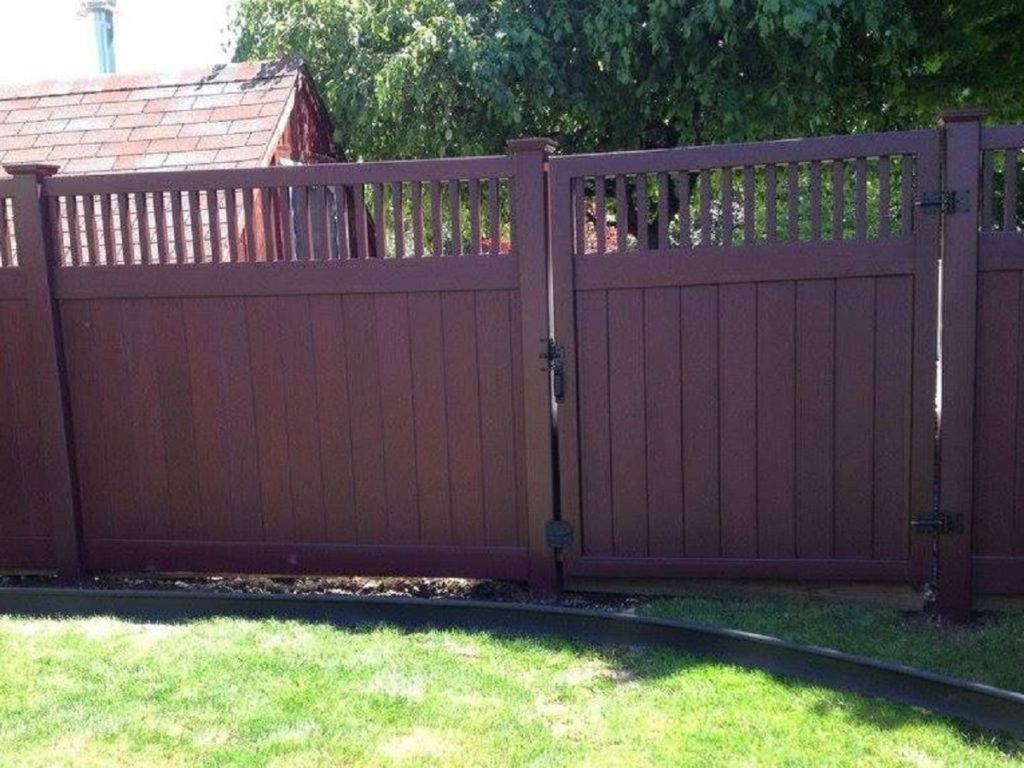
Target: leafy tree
x,y
406,78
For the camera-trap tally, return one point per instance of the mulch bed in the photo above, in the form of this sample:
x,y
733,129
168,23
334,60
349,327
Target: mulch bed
x,y
422,588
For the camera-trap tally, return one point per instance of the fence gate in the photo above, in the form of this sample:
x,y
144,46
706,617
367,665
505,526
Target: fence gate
x,y
749,335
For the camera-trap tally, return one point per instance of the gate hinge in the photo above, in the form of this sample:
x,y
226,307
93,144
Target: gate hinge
x,y
945,201
558,534
941,522
555,355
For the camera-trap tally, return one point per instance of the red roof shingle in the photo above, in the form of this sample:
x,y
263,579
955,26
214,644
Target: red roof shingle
x,y
148,122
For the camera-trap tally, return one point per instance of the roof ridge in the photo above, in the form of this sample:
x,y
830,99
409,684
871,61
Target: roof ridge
x,y
231,72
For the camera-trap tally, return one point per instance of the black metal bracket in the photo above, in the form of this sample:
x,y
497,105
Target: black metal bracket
x,y
555,356
939,523
558,534
945,201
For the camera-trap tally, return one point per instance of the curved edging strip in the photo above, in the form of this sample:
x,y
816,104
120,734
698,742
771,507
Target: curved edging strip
x,y
984,705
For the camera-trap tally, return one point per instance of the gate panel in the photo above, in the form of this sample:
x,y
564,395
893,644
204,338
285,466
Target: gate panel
x,y
750,352
998,513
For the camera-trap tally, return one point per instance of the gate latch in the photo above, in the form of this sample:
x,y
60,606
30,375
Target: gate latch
x,y
938,522
555,356
945,201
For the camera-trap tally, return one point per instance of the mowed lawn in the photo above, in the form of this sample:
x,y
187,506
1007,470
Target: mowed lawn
x,y
104,692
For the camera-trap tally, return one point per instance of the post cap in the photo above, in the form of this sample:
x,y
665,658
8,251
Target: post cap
x,y
532,144
962,115
39,170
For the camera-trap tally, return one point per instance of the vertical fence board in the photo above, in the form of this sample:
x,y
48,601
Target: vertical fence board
x,y
854,372
999,338
496,403
431,417
892,430
365,409
699,354
595,423
299,369
330,341
662,376
463,405
178,419
225,428
270,400
775,419
737,351
815,447
394,361
626,394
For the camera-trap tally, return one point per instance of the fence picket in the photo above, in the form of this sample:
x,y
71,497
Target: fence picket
x,y
727,206
417,219
397,219
884,214
838,203
1010,191
231,209
815,202
159,224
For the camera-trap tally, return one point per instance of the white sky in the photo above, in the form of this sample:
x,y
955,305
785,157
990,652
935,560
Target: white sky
x,y
48,39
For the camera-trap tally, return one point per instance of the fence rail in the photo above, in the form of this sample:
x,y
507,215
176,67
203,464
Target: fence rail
x,y
335,367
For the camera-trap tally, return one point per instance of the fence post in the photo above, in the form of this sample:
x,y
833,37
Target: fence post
x,y
962,129
530,240
34,257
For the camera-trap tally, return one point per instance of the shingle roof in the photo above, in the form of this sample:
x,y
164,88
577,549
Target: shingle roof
x,y
217,117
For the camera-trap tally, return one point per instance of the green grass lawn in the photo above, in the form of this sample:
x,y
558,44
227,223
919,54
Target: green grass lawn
x,y
992,651
103,692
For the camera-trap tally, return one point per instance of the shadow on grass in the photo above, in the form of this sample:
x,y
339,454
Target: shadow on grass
x,y
635,664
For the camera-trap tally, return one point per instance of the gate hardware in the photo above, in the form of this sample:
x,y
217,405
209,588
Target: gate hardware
x,y
558,534
942,522
555,356
945,201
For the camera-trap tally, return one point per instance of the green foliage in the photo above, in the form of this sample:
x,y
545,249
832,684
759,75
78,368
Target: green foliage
x,y
407,78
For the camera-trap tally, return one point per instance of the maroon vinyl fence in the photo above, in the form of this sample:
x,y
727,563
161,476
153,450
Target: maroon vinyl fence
x,y
339,368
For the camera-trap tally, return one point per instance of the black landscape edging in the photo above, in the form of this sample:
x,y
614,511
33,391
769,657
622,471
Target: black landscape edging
x,y
983,705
